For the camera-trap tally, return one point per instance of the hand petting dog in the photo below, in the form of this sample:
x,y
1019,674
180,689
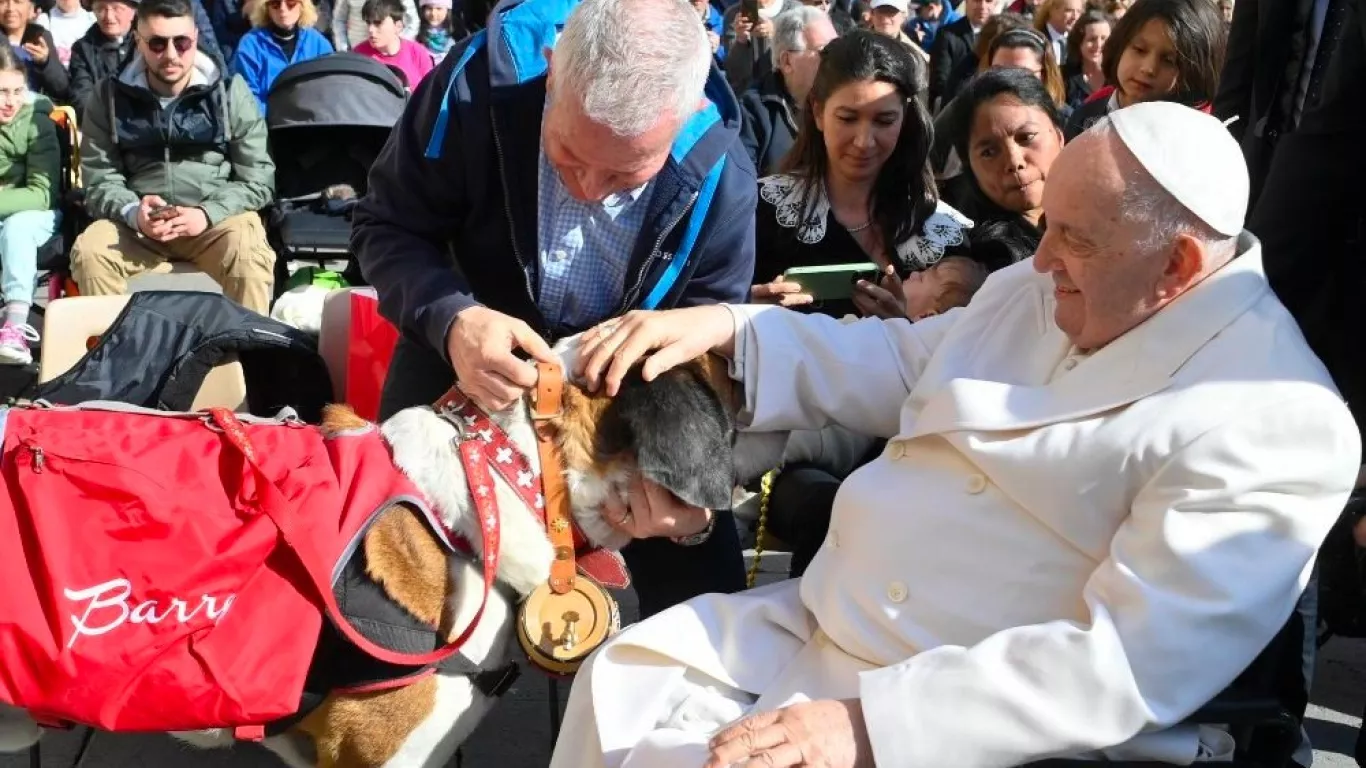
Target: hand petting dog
x,y
480,344
652,511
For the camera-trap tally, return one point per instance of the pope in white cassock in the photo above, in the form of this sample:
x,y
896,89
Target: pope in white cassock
x,y
1104,487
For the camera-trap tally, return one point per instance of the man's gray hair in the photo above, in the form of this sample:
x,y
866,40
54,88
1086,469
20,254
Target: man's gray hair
x,y
789,30
1160,216
632,63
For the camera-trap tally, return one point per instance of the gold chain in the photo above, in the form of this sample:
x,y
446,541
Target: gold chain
x,y
765,491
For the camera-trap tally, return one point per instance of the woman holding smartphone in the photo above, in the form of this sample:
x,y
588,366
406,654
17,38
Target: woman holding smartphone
x,y
855,190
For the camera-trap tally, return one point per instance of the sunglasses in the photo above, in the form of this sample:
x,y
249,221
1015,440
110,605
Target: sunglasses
x,y
158,44
276,5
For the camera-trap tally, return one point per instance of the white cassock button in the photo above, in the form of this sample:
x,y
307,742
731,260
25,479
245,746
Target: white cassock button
x,y
977,484
896,592
896,450
1069,363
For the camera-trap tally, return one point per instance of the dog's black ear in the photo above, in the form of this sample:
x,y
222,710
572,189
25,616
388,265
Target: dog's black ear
x,y
679,433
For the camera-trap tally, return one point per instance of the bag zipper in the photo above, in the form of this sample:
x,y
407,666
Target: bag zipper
x,y
629,297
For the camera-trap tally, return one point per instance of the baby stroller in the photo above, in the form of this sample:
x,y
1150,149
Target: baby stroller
x,y
328,120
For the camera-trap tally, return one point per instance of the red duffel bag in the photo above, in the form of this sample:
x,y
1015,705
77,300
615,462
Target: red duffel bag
x,y
169,571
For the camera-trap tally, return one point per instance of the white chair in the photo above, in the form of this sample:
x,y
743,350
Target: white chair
x,y
72,325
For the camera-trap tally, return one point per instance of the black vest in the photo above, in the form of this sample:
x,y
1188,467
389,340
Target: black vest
x,y
195,122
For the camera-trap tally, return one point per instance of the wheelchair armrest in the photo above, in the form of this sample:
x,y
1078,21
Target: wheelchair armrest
x,y
1241,709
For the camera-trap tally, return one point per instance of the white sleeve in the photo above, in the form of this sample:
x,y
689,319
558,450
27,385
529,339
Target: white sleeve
x,y
1200,577
810,371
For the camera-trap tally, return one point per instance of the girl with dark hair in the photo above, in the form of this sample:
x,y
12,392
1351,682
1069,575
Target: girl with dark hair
x,y
1085,71
29,178
1169,50
856,185
1008,134
1028,50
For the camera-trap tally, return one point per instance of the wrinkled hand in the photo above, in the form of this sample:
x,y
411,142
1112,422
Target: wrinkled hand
x,y
782,292
651,511
188,222
157,230
38,51
676,336
763,30
885,301
827,733
480,344
742,27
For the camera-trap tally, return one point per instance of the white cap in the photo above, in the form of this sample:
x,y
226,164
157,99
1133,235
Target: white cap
x,y
1192,155
900,5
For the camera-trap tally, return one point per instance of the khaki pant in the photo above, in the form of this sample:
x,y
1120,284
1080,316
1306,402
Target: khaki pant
x,y
234,252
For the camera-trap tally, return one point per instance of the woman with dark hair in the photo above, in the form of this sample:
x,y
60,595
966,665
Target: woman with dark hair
x,y
1008,134
1084,73
1162,50
1028,50
856,185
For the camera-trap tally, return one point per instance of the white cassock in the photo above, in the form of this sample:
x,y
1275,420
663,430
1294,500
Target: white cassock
x,y
1056,554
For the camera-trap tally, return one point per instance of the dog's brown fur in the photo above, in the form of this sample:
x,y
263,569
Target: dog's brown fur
x,y
404,557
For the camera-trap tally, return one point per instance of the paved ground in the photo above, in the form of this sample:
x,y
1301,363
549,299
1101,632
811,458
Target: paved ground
x,y
517,733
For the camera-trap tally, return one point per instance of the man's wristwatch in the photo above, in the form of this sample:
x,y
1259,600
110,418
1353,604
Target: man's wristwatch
x,y
694,539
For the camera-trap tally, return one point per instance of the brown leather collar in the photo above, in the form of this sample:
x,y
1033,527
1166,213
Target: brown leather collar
x,y
559,521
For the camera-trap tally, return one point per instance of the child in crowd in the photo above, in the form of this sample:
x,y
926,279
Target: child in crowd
x,y
439,28
386,44
348,23
949,283
29,170
68,22
1168,50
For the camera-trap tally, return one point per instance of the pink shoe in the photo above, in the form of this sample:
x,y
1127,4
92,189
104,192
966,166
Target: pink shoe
x,y
14,341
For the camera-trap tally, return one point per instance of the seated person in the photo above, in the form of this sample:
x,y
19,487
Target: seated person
x,y
1095,507
771,107
106,48
282,34
388,45
856,186
193,199
30,170
32,43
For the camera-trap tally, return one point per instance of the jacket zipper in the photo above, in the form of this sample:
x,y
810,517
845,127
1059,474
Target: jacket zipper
x,y
507,209
38,460
629,297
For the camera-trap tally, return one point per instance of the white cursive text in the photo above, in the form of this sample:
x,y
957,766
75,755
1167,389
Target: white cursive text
x,y
108,603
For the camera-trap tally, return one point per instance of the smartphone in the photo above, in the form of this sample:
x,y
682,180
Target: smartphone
x,y
162,213
831,282
32,34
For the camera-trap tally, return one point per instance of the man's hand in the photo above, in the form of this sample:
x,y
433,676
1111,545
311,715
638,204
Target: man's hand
x,y
763,30
480,344
651,511
157,229
784,293
743,27
609,350
827,733
188,222
38,51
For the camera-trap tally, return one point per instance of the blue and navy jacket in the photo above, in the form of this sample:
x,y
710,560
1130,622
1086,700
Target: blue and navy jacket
x,y
259,59
449,219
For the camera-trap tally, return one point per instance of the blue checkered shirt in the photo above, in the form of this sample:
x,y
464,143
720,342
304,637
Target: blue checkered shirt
x,y
584,250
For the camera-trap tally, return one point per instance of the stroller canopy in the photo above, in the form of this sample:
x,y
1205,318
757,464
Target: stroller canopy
x,y
337,90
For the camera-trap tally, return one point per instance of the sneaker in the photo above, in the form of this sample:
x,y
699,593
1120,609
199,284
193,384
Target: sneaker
x,y
14,341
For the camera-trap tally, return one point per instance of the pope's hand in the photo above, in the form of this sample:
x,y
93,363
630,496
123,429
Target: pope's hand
x,y
480,344
675,336
827,733
651,511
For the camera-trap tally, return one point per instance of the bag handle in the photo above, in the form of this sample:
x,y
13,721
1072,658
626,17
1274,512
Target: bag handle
x,y
274,504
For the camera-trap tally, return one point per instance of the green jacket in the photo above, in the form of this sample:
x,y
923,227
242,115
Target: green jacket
x,y
30,162
205,149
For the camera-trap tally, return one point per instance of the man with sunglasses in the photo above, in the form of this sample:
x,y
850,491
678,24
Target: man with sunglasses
x,y
175,165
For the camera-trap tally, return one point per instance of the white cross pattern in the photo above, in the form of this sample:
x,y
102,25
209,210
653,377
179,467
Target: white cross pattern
x,y
504,455
524,479
540,501
486,435
492,559
490,522
482,490
475,457
469,420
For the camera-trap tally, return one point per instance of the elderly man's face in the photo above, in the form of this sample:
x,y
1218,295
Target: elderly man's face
x,y
591,160
1103,286
799,67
